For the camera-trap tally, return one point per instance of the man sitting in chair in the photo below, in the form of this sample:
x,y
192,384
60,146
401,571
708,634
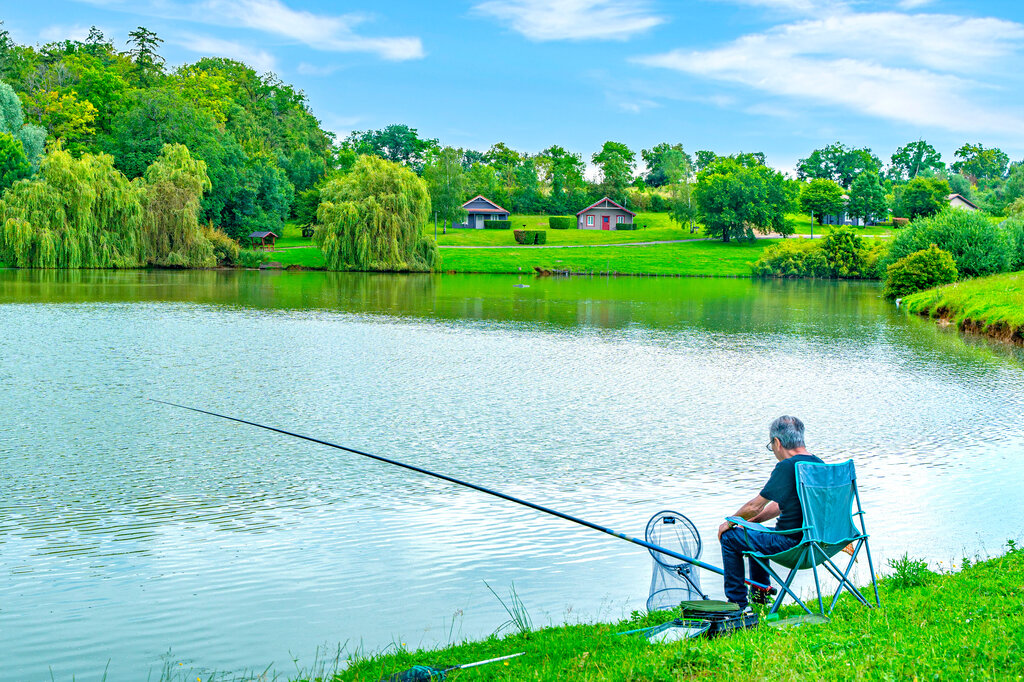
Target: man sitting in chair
x,y
779,499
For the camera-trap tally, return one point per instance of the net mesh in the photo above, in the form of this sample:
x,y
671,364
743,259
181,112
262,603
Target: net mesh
x,y
673,580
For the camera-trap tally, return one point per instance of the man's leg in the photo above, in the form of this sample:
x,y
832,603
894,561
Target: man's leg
x,y
733,546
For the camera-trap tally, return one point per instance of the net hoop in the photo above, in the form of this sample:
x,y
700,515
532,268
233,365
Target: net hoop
x,y
682,525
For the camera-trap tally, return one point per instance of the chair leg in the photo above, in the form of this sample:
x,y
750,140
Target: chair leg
x,y
871,568
817,584
784,584
844,581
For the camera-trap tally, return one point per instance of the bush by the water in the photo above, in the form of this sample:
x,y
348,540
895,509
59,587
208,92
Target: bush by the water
x,y
225,249
531,236
497,224
842,254
250,258
920,270
1015,233
978,247
561,222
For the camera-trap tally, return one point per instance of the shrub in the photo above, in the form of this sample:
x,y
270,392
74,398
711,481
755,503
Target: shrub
x,y
900,222
844,253
225,249
530,236
792,258
875,258
978,247
250,258
907,572
1014,228
561,222
626,226
497,224
921,270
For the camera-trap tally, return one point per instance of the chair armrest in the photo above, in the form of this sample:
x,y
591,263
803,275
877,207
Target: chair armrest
x,y
750,525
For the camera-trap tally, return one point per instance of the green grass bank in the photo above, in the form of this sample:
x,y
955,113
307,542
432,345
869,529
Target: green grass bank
x,y
991,306
964,626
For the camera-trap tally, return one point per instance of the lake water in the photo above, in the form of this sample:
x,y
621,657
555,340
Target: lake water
x,y
135,536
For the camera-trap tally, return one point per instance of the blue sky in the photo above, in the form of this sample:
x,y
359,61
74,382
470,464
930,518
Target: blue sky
x,y
779,76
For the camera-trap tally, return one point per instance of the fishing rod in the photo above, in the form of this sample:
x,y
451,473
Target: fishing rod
x,y
479,488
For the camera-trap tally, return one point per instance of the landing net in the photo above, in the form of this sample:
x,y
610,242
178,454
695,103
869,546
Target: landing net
x,y
673,580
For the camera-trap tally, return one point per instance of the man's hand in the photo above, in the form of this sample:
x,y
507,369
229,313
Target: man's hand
x,y
724,527
752,509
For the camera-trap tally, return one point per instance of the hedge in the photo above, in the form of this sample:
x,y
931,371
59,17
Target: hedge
x,y
561,222
497,224
531,236
626,226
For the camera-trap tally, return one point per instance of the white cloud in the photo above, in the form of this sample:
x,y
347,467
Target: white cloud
x,y
923,69
57,32
207,46
544,20
324,32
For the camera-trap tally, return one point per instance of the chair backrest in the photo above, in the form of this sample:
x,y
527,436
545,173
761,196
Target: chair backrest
x,y
827,493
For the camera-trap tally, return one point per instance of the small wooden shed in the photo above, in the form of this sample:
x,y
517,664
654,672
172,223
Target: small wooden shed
x,y
262,239
604,215
480,208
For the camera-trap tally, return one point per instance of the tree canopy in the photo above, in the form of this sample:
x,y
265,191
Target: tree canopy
x,y
838,163
822,197
912,159
734,200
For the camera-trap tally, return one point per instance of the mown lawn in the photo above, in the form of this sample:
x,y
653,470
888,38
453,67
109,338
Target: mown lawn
x,y
703,258
653,227
954,626
986,301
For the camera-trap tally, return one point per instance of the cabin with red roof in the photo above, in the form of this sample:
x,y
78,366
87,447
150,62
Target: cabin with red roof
x,y
480,208
604,215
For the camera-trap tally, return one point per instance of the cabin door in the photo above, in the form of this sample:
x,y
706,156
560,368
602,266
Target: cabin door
x,y
606,222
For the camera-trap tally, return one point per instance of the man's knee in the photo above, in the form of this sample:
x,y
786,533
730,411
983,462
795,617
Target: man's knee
x,y
733,540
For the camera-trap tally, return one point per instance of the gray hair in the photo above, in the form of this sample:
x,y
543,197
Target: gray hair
x,y
789,431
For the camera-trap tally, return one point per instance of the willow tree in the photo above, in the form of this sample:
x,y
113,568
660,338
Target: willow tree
x,y
174,184
373,217
76,213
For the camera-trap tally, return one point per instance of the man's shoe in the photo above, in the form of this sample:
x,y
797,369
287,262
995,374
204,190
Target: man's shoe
x,y
762,596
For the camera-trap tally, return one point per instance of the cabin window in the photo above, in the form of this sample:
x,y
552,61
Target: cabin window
x,y
620,219
590,221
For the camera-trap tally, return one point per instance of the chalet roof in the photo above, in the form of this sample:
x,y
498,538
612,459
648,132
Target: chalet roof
x,y
262,235
962,198
616,205
496,209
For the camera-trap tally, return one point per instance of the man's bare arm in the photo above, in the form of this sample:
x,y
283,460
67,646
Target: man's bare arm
x,y
768,513
750,511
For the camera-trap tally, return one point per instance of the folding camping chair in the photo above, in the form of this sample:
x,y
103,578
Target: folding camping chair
x,y
827,494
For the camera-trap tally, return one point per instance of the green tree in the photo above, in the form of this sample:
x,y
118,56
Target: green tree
x,y
12,122
978,246
838,163
66,117
867,198
681,209
563,170
13,164
77,213
445,178
734,200
666,164
174,185
372,218
978,163
616,161
913,158
397,142
922,197
149,64
822,197
703,159
920,270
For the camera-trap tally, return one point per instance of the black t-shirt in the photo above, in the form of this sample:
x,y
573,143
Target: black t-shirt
x,y
781,488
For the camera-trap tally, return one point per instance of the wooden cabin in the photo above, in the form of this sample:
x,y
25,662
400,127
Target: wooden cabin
x,y
604,215
262,239
480,208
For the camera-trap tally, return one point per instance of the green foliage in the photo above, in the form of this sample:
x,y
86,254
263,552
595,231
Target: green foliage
x,y
144,45
371,219
397,143
667,164
175,183
822,197
1015,235
979,163
626,226
616,161
250,258
305,206
530,236
914,158
977,245
13,164
907,572
920,270
559,222
733,200
497,224
921,197
844,253
445,178
12,122
226,250
838,163
78,213
867,198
